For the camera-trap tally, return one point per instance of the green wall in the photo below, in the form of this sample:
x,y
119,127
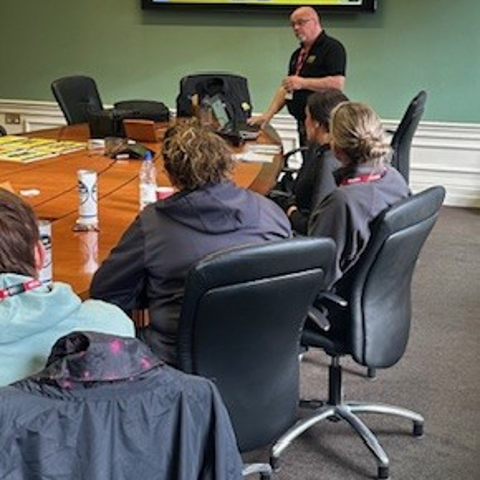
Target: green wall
x,y
407,45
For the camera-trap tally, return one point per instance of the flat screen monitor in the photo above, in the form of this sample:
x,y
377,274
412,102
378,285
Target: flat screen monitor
x,y
265,5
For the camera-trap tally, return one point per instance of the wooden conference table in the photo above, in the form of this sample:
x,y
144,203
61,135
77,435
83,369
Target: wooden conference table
x,y
53,183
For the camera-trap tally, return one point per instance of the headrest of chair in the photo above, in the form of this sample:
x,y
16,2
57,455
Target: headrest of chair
x,y
297,254
411,210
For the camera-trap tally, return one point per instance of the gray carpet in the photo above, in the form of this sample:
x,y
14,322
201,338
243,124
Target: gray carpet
x,y
439,377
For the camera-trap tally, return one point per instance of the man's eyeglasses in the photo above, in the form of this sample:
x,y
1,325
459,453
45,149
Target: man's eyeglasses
x,y
301,22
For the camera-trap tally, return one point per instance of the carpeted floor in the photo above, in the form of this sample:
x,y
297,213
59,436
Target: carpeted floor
x,y
439,377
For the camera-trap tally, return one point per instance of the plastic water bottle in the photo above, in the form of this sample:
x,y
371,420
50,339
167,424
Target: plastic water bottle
x,y
148,181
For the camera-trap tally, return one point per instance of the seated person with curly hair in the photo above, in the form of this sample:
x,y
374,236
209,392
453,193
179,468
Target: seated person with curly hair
x,y
209,213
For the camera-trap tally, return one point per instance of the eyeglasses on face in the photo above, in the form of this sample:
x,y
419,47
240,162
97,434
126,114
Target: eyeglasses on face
x,y
301,22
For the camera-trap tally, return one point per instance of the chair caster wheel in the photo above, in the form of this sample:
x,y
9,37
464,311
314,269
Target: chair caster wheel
x,y
275,463
418,429
383,473
334,418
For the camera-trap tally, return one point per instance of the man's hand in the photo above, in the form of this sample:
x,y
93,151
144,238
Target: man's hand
x,y
293,82
261,120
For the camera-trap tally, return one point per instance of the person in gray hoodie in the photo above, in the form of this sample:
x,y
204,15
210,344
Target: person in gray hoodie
x,y
366,184
208,213
34,316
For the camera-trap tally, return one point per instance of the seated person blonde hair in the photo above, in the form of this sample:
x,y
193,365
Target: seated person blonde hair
x,y
367,184
33,316
148,268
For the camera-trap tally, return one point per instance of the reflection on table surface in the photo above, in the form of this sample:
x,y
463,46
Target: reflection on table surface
x,y
50,186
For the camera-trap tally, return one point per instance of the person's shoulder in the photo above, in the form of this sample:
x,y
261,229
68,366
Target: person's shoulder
x,y
394,176
104,317
332,43
330,39
338,199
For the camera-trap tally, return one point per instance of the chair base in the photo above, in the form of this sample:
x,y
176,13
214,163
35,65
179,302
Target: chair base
x,y
263,469
347,411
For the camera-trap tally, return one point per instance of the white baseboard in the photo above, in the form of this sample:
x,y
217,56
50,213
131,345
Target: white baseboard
x,y
445,154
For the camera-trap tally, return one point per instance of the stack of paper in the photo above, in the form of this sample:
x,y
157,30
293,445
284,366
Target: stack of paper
x,y
258,153
22,149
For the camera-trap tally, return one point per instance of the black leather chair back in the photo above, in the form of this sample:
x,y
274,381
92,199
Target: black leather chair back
x,y
233,89
240,326
378,287
77,96
403,136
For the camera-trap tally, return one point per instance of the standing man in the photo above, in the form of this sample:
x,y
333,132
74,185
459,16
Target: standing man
x,y
319,62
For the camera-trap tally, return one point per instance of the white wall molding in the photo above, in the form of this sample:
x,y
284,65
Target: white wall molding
x,y
442,154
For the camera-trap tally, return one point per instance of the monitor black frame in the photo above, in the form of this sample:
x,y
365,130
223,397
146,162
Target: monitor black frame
x,y
367,6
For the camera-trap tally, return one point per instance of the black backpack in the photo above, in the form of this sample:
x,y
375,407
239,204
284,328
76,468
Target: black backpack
x,y
232,89
145,110
109,122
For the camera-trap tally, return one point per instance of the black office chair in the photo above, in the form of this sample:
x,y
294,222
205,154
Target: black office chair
x,y
374,326
286,179
402,138
77,96
2,131
232,87
240,326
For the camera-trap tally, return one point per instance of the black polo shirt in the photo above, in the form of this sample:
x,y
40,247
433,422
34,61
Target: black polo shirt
x,y
327,57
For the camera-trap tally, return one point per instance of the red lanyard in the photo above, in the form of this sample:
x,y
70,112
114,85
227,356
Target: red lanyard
x,y
19,288
302,56
368,177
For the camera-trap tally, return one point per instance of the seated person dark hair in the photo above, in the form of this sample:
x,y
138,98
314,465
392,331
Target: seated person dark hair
x,y
367,184
314,179
208,213
33,316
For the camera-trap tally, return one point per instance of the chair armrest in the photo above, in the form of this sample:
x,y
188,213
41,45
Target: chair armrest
x,y
318,318
278,194
318,314
289,154
333,298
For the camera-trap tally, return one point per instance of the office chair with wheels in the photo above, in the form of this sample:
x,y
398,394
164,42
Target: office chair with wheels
x,y
240,326
402,137
77,96
374,326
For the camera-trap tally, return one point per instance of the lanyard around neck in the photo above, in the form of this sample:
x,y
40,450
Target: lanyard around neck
x,y
365,178
302,56
19,288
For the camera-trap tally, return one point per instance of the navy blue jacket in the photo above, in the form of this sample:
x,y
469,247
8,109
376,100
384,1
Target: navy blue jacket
x,y
149,266
106,408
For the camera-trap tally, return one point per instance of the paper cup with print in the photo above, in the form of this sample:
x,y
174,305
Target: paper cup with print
x,y
87,201
45,231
